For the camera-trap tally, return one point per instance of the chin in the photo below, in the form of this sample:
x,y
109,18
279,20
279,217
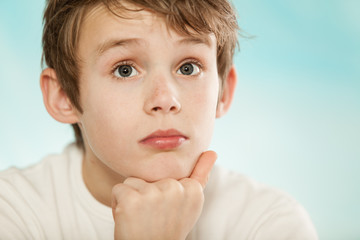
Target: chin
x,y
161,176
162,168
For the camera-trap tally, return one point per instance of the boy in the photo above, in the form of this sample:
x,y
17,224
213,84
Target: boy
x,y
142,83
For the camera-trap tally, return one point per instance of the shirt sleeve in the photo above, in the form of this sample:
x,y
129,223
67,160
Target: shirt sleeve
x,y
286,222
16,218
10,229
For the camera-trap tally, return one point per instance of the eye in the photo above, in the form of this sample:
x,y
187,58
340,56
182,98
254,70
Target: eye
x,y
125,71
189,69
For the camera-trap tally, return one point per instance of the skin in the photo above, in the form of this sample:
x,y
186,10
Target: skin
x,y
176,204
139,181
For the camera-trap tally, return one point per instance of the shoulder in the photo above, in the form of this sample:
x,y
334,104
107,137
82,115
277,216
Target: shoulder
x,y
226,185
27,196
37,177
246,209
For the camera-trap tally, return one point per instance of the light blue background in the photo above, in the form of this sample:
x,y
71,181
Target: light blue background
x,y
294,123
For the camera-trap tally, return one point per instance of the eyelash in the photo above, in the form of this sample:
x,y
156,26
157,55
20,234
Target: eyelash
x,y
192,61
121,64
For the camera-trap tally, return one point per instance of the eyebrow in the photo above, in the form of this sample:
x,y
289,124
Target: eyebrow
x,y
116,43
136,41
195,40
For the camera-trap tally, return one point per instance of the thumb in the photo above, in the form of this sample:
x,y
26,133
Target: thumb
x,y
203,167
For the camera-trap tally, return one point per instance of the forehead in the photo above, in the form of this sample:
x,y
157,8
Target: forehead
x,y
137,20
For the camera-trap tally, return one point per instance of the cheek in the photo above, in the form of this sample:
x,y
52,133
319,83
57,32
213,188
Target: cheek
x,y
205,99
203,112
106,118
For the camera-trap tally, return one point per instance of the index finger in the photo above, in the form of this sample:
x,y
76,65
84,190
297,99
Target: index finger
x,y
203,167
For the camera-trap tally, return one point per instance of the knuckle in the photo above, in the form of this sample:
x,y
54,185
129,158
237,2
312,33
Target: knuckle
x,y
132,195
174,183
150,190
169,185
193,188
125,196
129,180
136,183
175,187
192,184
119,189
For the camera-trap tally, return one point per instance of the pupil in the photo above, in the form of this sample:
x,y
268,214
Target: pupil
x,y
125,70
187,69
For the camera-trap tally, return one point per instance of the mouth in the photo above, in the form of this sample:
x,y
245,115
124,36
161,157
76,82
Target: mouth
x,y
164,139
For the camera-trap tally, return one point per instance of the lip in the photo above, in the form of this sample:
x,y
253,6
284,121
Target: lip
x,y
164,139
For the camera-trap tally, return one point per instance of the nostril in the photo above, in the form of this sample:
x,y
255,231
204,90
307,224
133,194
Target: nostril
x,y
172,108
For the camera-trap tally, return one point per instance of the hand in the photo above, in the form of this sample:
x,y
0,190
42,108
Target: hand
x,y
167,209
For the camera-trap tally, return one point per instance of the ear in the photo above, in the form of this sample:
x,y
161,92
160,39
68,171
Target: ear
x,y
227,93
55,99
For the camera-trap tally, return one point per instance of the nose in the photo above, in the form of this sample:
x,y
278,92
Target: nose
x,y
161,97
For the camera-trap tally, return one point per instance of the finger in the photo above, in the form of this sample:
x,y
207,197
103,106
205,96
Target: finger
x,y
136,183
203,167
169,184
118,192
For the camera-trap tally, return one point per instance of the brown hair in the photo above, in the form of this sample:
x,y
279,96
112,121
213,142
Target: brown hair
x,y
63,18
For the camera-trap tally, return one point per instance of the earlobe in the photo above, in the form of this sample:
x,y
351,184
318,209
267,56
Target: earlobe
x,y
55,99
227,93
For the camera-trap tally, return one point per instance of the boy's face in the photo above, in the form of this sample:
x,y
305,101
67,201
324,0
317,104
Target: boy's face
x,y
139,79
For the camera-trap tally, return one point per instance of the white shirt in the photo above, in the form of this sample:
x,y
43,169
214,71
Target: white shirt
x,y
50,201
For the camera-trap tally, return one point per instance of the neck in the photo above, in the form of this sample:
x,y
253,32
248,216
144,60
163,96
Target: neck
x,y
99,178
